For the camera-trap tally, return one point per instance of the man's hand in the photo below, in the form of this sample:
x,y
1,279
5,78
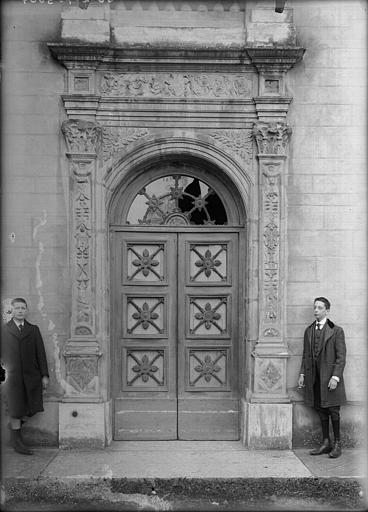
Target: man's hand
x,y
332,384
301,381
45,382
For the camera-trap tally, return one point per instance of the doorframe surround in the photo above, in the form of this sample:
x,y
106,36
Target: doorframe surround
x,y
97,166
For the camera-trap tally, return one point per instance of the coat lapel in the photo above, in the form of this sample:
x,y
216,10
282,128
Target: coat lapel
x,y
13,328
310,336
327,335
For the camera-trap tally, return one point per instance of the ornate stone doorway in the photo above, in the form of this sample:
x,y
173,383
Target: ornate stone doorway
x,y
175,317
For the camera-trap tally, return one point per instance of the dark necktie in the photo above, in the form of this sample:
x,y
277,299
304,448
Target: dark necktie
x,y
20,327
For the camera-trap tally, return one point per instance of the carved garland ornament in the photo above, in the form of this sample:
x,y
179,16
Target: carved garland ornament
x,y
175,85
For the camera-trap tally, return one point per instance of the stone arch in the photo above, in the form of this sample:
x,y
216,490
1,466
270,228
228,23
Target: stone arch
x,y
199,150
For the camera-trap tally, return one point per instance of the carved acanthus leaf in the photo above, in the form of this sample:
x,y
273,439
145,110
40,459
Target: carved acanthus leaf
x,y
272,138
238,141
82,136
116,139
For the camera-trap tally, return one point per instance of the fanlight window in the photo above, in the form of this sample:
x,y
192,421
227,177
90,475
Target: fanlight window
x,y
177,201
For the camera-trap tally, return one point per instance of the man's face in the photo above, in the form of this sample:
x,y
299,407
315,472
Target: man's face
x,y
320,311
19,310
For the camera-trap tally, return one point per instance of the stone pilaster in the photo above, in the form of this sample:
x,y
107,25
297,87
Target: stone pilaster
x,y
270,409
82,351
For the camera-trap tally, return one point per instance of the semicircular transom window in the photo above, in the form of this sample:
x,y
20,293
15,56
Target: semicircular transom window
x,y
177,200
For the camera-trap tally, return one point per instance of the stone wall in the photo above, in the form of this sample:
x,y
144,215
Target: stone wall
x,y
35,184
327,191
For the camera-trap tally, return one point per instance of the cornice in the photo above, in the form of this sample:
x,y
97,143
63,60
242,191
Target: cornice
x,y
92,55
266,57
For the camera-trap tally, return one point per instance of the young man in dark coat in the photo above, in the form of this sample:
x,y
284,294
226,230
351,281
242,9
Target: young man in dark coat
x,y
24,359
321,374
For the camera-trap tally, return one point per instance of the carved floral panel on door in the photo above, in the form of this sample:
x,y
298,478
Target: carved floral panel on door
x,y
145,316
145,262
208,316
208,369
144,369
208,263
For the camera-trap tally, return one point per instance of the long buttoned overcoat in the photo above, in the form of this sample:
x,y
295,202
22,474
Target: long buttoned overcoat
x,y
24,358
332,358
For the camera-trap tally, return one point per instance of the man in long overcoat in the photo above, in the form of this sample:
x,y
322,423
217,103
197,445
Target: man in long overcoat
x,y
24,359
321,374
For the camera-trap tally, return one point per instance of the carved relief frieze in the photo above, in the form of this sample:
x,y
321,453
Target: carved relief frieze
x,y
272,138
82,136
175,85
237,141
115,140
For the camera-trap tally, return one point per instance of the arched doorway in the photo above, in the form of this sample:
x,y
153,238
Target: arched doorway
x,y
176,290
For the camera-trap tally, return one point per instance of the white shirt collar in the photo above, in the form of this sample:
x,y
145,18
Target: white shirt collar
x,y
322,322
17,322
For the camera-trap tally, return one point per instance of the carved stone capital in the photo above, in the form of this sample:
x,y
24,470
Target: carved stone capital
x,y
82,136
272,138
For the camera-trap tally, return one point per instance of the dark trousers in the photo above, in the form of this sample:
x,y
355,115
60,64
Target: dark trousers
x,y
325,412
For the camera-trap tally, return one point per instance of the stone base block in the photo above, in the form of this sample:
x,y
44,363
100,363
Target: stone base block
x,y
83,425
269,426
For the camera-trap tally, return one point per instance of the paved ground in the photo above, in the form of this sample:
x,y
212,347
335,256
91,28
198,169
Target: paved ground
x,y
182,475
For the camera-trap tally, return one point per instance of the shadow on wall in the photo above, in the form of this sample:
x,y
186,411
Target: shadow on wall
x,y
307,426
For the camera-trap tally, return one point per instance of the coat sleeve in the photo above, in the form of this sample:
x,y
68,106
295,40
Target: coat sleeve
x,y
41,354
340,353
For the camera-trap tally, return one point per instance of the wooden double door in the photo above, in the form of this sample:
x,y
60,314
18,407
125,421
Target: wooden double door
x,y
175,334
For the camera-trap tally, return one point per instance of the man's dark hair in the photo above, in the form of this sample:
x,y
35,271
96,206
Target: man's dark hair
x,y
324,300
18,299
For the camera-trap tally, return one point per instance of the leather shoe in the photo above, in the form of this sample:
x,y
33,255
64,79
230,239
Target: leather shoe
x,y
16,442
336,450
324,448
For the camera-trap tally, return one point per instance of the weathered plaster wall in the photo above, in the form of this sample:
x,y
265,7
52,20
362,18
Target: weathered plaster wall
x,y
327,190
34,205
